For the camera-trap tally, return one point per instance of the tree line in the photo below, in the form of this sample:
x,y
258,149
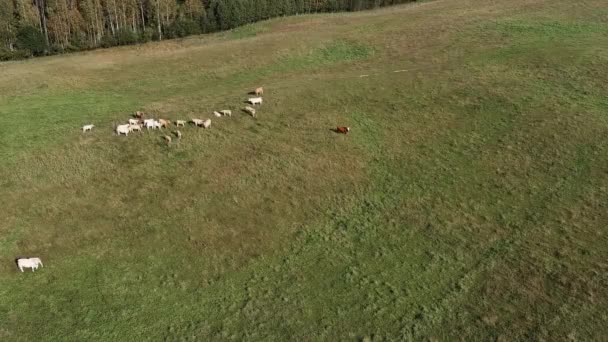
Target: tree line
x,y
42,27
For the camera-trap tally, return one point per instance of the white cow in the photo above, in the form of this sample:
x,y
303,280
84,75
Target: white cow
x,y
207,123
29,263
197,122
157,124
255,100
226,112
180,123
123,129
217,114
133,122
86,128
149,123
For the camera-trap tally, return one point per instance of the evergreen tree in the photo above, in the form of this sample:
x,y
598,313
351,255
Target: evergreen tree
x,y
260,12
209,22
30,38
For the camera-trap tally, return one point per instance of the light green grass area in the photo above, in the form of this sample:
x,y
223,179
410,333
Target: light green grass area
x,y
244,32
468,201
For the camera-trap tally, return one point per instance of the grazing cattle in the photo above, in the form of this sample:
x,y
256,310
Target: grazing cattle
x,y
250,110
123,129
178,134
255,100
32,263
167,139
139,115
133,121
207,123
226,112
164,123
149,123
259,91
180,123
217,114
197,122
157,124
342,129
136,127
87,128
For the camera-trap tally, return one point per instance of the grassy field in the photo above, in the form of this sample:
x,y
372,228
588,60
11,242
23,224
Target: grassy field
x,y
469,201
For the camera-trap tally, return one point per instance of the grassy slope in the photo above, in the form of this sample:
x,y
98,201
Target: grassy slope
x,y
469,201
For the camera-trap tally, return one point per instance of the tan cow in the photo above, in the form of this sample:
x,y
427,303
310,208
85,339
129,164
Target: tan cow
x,y
164,123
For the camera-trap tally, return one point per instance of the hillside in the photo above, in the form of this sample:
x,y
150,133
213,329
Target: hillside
x,y
467,202
44,28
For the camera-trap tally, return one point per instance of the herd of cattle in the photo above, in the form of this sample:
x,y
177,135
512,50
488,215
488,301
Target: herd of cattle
x,y
139,121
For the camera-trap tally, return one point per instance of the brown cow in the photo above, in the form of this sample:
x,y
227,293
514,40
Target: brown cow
x,y
342,129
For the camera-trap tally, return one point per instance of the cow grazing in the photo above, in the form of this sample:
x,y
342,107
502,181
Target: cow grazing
x,y
207,123
32,263
87,128
164,123
178,134
149,123
259,91
139,115
123,129
133,121
255,100
197,122
226,112
217,114
167,139
250,111
180,123
136,127
342,129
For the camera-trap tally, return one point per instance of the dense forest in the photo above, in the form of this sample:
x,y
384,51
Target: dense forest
x,y
42,27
